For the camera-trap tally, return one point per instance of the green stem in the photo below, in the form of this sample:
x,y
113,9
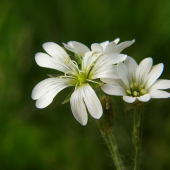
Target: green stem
x,y
108,137
105,124
137,135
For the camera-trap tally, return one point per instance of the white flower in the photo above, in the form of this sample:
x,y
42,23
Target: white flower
x,y
104,47
138,82
93,66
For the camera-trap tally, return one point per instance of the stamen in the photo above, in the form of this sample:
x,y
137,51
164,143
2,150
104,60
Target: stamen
x,y
143,91
93,81
92,64
131,86
67,60
135,93
141,87
67,72
60,77
135,84
75,63
129,92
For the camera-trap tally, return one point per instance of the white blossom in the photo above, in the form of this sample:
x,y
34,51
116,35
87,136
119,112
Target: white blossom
x,y
93,67
104,47
138,82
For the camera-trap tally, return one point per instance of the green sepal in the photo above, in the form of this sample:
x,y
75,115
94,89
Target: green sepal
x,y
67,99
78,59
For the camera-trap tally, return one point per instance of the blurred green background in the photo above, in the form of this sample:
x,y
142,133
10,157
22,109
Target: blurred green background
x,y
51,139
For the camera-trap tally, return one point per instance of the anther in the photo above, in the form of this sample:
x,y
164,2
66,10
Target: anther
x,y
92,64
67,60
141,86
135,94
143,91
129,92
131,86
135,84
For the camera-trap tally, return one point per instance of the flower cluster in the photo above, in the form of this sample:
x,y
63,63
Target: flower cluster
x,y
102,66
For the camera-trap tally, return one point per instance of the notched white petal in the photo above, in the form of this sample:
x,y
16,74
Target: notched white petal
x,y
159,94
116,90
129,99
143,70
42,87
110,47
161,84
131,64
104,44
154,74
45,91
69,46
144,98
44,60
117,40
123,73
78,107
116,58
92,102
80,48
96,47
123,45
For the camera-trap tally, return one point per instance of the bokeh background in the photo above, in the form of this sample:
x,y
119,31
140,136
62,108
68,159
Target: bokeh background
x,y
51,139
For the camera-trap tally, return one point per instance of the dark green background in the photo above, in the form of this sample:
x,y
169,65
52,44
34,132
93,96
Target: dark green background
x,y
51,139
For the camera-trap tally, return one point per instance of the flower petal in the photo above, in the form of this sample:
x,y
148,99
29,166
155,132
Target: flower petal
x,y
69,46
96,47
116,58
80,48
123,73
123,45
110,47
129,99
117,40
161,84
44,60
92,102
55,51
46,90
112,81
143,70
104,68
116,89
154,75
144,98
88,61
104,44
42,87
131,65
78,107
60,56
159,94
107,71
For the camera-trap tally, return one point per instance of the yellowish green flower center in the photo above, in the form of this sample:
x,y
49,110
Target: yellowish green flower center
x,y
81,78
136,90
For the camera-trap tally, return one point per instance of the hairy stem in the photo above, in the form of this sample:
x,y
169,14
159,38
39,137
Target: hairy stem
x,y
108,137
137,135
105,124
